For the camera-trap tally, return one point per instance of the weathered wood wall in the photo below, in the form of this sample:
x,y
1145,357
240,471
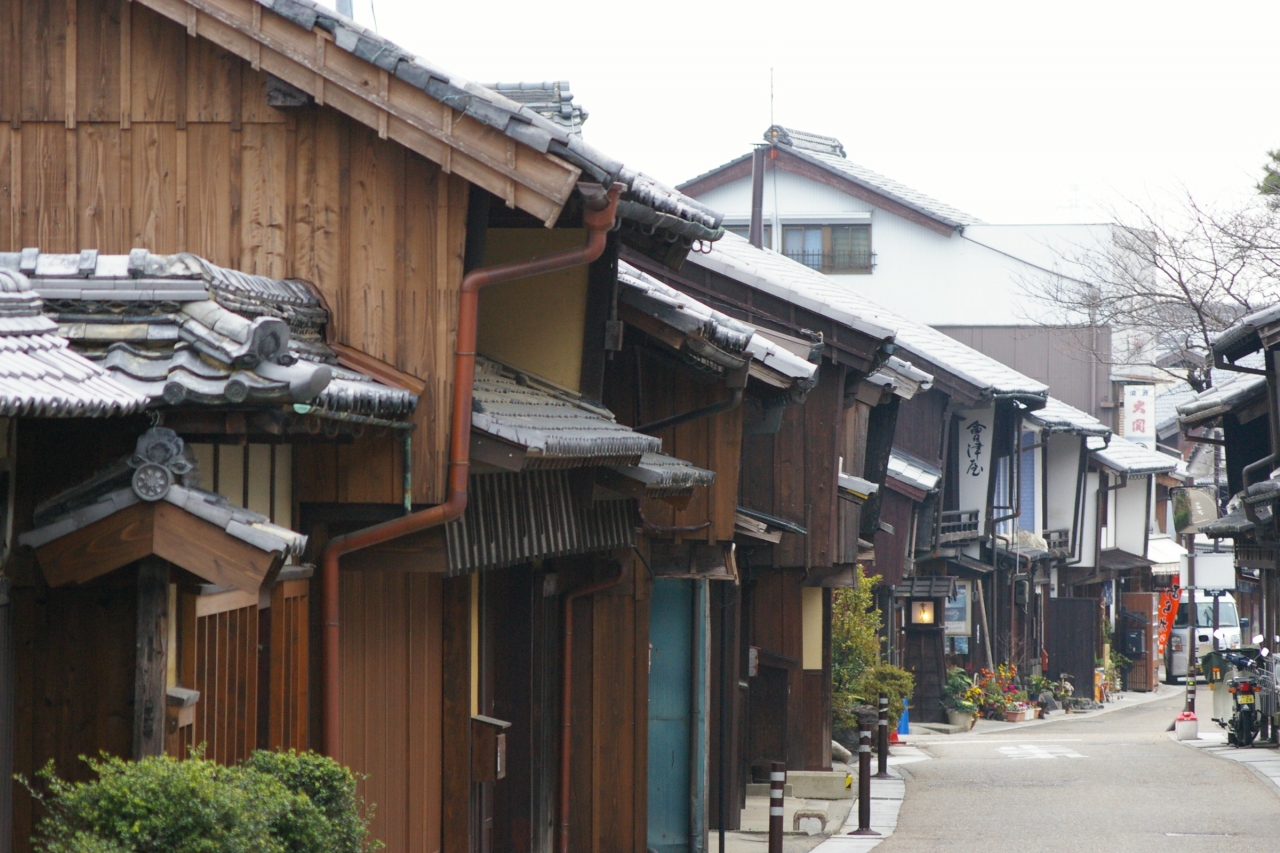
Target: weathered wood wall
x,y
920,424
218,656
121,131
793,474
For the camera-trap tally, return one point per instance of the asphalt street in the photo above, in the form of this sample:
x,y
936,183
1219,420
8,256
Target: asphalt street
x,y
1114,783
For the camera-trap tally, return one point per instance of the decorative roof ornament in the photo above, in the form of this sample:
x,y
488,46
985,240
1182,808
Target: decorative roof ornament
x,y
805,141
158,460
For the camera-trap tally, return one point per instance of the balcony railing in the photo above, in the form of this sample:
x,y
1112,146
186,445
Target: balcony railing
x,y
958,525
1058,540
1256,556
836,262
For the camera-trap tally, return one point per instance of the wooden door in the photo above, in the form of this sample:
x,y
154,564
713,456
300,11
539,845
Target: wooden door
x,y
218,656
1070,634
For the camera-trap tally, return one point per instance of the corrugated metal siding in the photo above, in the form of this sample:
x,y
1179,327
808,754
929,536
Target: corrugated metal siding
x,y
1061,358
512,518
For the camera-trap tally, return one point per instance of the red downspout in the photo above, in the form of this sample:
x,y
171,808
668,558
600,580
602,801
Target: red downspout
x,y
598,218
566,692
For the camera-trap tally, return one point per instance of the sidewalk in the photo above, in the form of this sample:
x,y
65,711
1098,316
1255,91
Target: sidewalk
x,y
842,815
1262,759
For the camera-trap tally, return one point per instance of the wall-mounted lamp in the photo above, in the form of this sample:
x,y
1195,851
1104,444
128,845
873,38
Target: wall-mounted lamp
x,y
921,612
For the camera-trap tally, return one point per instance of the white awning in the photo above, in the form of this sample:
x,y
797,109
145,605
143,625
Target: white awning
x,y
1165,555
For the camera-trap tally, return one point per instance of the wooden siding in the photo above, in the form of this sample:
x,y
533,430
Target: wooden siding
x,y
73,680
391,714
920,424
218,656
289,671
641,388
121,131
793,474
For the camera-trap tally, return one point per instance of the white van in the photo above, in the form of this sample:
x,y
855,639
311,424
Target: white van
x,y
1180,640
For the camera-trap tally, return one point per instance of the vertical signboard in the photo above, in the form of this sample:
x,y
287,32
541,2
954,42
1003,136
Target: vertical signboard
x,y
1140,415
957,612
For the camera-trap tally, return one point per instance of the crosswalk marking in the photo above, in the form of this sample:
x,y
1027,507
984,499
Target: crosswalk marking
x,y
1034,751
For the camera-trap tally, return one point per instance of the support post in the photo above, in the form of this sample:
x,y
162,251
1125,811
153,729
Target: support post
x,y
150,679
882,746
777,780
864,777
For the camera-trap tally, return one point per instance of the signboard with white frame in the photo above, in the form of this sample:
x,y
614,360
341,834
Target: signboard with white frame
x,y
1213,571
1140,415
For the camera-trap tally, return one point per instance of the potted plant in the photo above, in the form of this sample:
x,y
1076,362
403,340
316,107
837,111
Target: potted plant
x,y
960,697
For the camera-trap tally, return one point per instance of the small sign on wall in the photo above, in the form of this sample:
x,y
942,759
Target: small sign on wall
x,y
1140,415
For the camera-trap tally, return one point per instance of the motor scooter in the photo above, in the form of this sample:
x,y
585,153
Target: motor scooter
x,y
1245,688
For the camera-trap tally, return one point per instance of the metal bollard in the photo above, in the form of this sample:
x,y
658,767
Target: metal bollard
x,y
1190,703
882,759
864,780
777,779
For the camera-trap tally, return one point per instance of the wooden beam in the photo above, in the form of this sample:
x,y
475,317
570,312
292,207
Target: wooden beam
x,y
150,674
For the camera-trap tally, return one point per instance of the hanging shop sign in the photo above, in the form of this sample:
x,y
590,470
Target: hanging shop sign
x,y
958,613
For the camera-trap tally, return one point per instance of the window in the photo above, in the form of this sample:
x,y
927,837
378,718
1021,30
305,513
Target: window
x,y
743,230
830,248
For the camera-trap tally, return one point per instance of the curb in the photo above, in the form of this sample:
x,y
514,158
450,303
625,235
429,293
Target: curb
x,y
886,801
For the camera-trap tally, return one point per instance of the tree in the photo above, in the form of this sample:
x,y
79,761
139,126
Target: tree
x,y
1270,183
1168,280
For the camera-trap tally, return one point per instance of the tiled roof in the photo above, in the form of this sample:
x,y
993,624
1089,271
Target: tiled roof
x,y
1057,416
913,471
550,99
1233,389
796,283
1242,336
1131,458
827,153
665,475
688,315
40,376
121,486
555,426
901,377
177,329
524,124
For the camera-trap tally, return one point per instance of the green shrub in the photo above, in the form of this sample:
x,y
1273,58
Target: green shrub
x,y
162,805
331,788
855,645
885,678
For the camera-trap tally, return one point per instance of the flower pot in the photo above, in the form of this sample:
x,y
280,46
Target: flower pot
x,y
1017,716
962,719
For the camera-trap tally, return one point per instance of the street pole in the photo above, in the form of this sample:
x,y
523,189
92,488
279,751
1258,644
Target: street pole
x,y
864,777
777,779
1192,658
882,758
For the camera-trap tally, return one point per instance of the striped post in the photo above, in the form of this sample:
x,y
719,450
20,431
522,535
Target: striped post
x,y
864,779
883,743
777,778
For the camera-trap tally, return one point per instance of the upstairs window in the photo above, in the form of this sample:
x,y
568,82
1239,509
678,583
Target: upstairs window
x,y
830,248
744,232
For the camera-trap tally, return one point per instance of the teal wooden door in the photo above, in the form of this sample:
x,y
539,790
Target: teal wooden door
x,y
671,686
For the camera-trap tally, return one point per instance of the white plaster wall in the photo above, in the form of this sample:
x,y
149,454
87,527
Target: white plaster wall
x,y
1089,521
1064,464
1131,515
961,279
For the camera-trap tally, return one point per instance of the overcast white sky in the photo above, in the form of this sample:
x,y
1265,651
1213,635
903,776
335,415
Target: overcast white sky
x,y
1011,111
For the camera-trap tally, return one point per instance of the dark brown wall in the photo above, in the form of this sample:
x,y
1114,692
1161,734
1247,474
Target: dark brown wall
x,y
919,426
891,548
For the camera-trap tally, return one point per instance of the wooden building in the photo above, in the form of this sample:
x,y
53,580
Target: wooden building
x,y
334,192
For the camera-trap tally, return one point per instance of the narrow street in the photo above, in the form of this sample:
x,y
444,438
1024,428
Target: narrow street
x,y
1116,782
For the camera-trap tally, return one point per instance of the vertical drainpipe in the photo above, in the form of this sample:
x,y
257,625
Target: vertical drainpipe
x,y
755,234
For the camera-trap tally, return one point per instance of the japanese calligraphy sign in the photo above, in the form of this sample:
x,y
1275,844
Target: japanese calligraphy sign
x,y
1140,415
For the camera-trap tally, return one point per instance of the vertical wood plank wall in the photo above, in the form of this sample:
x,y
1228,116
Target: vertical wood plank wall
x,y
288,711
119,131
391,683
713,443
218,656
73,674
